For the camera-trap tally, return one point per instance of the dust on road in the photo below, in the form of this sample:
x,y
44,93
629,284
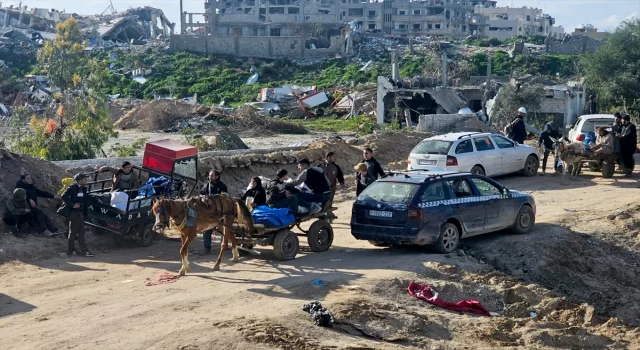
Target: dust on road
x,y
562,286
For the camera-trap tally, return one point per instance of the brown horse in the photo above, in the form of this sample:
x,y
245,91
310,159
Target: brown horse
x,y
200,214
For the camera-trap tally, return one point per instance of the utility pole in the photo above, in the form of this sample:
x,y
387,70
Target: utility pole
x,y
444,69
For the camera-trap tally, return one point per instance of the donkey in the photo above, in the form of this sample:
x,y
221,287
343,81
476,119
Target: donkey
x,y
572,155
200,214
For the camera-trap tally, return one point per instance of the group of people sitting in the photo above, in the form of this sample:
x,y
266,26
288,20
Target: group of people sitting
x,y
310,192
23,215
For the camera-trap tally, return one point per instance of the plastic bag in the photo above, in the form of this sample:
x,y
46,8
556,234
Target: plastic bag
x,y
119,200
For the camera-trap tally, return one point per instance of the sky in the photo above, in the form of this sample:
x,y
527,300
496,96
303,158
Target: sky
x,y
603,14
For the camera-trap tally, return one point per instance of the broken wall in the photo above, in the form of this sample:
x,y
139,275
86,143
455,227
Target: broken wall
x,y
259,47
575,46
445,123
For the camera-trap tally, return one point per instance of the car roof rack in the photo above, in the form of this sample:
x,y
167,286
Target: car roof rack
x,y
473,133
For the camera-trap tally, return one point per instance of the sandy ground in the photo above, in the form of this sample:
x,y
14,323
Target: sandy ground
x,y
567,285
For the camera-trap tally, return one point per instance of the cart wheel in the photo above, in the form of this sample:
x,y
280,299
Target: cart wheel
x,y
320,236
145,237
286,245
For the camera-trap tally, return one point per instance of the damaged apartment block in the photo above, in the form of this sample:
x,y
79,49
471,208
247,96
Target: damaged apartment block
x,y
266,29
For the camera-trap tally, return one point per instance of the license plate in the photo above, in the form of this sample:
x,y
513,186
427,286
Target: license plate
x,y
381,214
427,162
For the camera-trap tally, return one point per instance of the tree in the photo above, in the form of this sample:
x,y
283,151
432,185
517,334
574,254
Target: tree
x,y
613,71
82,122
510,99
64,56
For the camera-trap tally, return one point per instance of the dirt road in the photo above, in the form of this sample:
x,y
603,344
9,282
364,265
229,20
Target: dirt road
x,y
569,284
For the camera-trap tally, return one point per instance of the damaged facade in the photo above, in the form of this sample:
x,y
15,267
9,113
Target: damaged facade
x,y
506,22
132,24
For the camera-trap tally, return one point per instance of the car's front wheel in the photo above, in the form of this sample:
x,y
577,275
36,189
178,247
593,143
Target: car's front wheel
x,y
531,166
524,220
449,238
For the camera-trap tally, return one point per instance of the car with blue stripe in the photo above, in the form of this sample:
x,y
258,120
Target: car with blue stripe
x,y
438,208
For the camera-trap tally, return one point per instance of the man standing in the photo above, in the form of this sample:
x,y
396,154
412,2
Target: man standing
x,y
44,225
75,207
333,173
628,144
517,130
373,167
213,187
318,183
545,140
17,213
593,106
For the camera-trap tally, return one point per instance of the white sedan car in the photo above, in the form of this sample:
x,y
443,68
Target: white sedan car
x,y
480,153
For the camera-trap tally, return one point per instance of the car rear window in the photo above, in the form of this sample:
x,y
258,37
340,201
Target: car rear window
x,y
432,147
390,192
590,125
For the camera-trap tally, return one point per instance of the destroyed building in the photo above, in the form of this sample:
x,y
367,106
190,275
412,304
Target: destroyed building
x,y
134,23
315,28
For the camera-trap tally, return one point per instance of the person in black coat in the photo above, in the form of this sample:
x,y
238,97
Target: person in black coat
x,y
363,178
518,130
374,168
257,192
546,139
42,222
75,208
628,144
213,187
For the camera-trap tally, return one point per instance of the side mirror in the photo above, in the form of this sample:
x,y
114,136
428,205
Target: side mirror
x,y
505,192
568,126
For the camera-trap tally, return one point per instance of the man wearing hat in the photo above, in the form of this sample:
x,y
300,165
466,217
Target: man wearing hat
x,y
628,144
517,130
74,208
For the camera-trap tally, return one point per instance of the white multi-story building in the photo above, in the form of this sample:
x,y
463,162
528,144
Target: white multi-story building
x,y
505,22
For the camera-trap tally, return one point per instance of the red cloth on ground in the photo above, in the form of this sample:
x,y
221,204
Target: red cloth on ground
x,y
163,278
426,293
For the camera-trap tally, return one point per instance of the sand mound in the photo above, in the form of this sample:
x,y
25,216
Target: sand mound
x,y
155,115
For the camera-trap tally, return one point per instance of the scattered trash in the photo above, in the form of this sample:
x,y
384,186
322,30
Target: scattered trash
x,y
494,314
321,316
571,210
533,314
127,281
320,283
315,100
163,278
350,250
426,293
253,79
354,288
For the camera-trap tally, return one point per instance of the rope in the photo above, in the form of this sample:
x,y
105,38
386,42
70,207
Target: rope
x,y
184,222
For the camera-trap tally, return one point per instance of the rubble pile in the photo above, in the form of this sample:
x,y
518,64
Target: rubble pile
x,y
46,176
155,115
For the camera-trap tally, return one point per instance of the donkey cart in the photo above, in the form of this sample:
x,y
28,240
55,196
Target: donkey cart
x,y
284,241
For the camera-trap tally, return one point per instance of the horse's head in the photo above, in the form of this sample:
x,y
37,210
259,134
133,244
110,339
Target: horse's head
x,y
161,211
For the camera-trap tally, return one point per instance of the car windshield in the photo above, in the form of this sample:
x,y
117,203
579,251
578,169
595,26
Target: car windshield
x,y
432,147
591,124
390,192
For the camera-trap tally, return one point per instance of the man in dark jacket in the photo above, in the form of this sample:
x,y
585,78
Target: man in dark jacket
x,y
593,105
277,194
17,213
628,144
333,173
373,167
546,139
43,224
517,128
213,187
75,207
315,179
